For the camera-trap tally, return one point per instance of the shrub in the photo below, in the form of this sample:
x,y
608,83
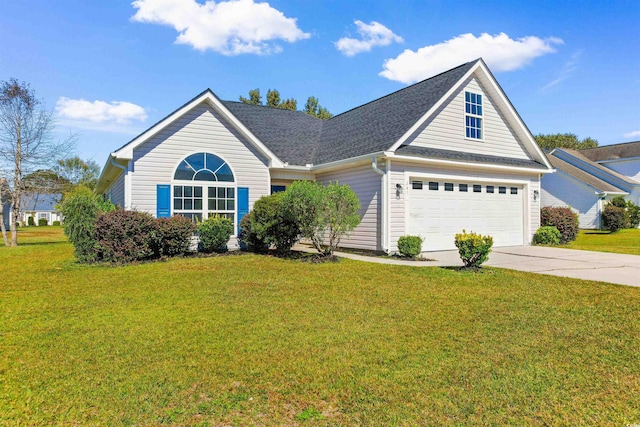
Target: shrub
x,y
547,235
42,222
272,224
618,202
174,235
324,214
56,223
561,218
634,214
473,248
126,236
80,210
248,235
410,246
30,221
215,233
614,218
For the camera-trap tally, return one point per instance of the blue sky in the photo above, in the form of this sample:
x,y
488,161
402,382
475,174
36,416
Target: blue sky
x,y
110,69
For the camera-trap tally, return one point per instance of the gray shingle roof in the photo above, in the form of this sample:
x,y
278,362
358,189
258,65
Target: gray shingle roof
x,y
434,153
583,176
377,125
611,152
290,135
579,155
299,139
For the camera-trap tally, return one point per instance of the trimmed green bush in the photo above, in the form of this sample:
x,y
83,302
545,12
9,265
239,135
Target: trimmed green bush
x,y
324,214
80,210
272,224
42,222
614,218
547,235
56,223
618,202
30,221
248,235
214,233
174,235
473,248
126,236
564,219
410,246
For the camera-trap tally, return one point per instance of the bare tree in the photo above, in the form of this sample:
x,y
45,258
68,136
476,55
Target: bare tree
x,y
26,143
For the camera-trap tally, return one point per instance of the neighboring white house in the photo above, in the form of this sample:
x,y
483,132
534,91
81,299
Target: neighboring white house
x,y
587,179
445,154
40,206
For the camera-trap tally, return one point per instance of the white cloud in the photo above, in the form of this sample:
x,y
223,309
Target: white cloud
x,y
500,52
100,112
372,35
229,27
634,134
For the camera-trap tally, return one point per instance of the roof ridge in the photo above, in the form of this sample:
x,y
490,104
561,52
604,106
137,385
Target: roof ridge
x,y
404,88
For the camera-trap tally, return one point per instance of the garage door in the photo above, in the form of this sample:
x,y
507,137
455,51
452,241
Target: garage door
x,y
438,210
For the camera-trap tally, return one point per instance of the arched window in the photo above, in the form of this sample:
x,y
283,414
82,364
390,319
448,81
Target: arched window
x,y
204,185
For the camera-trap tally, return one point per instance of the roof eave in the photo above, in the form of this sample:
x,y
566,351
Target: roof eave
x,y
475,165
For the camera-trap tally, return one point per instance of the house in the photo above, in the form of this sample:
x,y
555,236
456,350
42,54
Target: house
x,y
39,206
445,154
587,179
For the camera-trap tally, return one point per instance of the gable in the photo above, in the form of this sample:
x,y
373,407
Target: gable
x,y
445,129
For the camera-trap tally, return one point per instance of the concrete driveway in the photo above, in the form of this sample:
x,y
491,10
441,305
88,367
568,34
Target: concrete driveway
x,y
600,266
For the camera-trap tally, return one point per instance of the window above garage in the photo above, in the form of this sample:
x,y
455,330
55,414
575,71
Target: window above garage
x,y
473,115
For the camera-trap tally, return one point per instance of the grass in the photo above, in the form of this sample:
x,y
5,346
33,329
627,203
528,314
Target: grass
x,y
623,241
255,340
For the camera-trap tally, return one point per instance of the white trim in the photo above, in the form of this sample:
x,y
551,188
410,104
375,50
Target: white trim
x,y
126,152
470,164
324,166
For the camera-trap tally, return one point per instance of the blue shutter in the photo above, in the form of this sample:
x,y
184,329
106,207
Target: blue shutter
x,y
243,203
163,199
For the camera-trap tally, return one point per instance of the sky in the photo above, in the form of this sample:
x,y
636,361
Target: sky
x,y
108,70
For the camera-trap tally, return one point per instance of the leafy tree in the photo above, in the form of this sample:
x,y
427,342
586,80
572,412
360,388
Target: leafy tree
x,y
26,144
46,181
78,172
313,108
564,140
254,97
275,101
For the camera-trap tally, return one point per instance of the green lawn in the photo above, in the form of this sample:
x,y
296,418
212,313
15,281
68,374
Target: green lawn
x,y
255,340
622,242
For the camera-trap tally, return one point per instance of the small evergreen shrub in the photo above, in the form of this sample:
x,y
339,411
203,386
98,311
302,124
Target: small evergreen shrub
x,y
174,235
126,236
80,210
618,202
634,214
564,219
30,221
547,235
56,223
410,246
248,235
273,224
614,218
215,233
473,248
42,222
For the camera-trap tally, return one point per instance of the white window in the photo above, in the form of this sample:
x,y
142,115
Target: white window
x,y
473,115
204,185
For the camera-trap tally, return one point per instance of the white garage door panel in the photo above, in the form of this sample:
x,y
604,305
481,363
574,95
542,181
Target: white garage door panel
x,y
438,215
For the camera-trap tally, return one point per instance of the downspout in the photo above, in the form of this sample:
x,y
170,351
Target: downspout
x,y
601,197
383,219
